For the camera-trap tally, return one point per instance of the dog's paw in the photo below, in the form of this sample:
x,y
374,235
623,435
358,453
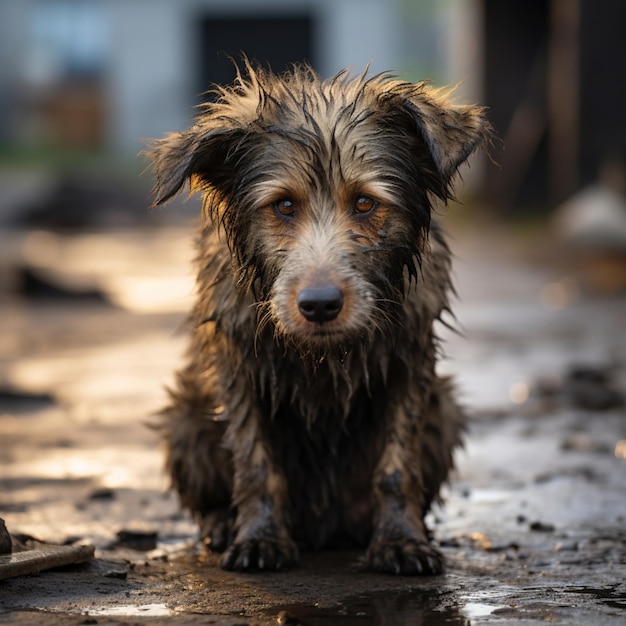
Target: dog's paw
x,y
260,554
408,557
217,530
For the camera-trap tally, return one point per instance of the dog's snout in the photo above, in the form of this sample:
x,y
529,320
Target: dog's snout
x,y
320,304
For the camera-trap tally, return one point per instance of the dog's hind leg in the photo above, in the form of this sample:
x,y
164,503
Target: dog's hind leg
x,y
444,424
199,465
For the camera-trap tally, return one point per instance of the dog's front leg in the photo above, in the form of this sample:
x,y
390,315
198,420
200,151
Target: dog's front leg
x,y
399,543
262,539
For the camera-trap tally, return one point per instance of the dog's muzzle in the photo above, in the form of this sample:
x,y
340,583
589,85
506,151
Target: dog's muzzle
x,y
320,304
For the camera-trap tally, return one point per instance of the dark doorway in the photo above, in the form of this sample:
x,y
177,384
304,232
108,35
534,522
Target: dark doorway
x,y
516,44
553,85
274,42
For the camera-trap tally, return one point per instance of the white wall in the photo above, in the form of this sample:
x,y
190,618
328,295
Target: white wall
x,y
149,74
355,33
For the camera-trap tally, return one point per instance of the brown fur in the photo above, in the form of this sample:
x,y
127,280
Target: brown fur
x,y
316,420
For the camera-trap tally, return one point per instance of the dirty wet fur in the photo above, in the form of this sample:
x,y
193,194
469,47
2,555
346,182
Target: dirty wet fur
x,y
309,413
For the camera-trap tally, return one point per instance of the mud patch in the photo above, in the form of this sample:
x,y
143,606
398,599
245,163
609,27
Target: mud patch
x,y
614,596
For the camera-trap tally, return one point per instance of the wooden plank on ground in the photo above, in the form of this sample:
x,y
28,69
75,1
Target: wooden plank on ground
x,y
41,556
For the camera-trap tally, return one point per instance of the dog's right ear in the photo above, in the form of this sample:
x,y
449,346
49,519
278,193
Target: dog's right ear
x,y
198,155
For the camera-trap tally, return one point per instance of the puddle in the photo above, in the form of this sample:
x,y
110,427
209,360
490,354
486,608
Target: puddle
x,y
134,610
481,603
415,607
477,609
489,496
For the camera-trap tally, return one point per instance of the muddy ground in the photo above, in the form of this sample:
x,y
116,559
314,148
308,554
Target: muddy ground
x,y
533,527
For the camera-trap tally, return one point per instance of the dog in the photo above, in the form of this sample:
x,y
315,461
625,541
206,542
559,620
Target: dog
x,y
309,413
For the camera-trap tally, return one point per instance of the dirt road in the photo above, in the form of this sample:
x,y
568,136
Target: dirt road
x,y
534,524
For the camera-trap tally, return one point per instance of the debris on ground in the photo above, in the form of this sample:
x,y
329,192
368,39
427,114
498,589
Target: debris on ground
x,y
34,557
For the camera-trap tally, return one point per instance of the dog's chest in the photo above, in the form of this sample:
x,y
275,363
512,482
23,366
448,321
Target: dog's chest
x,y
329,461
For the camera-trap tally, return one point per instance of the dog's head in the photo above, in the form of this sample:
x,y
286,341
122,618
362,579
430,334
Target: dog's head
x,y
323,190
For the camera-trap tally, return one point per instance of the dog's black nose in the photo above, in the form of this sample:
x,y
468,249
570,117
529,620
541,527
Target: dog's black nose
x,y
320,304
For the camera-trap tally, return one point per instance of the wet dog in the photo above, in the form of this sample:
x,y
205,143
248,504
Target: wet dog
x,y
310,413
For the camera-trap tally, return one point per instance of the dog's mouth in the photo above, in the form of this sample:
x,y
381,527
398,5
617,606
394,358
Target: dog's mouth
x,y
309,331
323,333
326,339
320,344
323,329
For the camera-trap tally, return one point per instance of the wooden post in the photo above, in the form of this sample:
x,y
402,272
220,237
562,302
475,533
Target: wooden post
x,y
563,99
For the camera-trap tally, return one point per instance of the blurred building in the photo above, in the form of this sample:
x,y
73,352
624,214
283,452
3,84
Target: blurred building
x,y
104,73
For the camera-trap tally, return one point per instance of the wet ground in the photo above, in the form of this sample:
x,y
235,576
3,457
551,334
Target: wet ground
x,y
534,526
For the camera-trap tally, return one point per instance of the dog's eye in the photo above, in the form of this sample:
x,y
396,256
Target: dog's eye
x,y
285,207
364,204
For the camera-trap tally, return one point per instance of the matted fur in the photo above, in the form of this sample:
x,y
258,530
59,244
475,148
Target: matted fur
x,y
292,426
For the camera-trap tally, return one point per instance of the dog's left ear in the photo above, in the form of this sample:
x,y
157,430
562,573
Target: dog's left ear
x,y
450,131
199,154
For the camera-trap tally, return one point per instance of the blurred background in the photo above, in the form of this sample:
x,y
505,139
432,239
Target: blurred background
x,y
94,285
92,77
82,81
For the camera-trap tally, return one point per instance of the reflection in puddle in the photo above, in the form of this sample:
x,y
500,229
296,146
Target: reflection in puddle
x,y
148,610
414,607
477,609
489,496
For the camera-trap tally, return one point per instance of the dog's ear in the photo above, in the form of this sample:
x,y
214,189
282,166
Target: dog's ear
x,y
450,131
198,154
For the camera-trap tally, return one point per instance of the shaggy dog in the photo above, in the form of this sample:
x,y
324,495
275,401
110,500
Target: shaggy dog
x,y
310,412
